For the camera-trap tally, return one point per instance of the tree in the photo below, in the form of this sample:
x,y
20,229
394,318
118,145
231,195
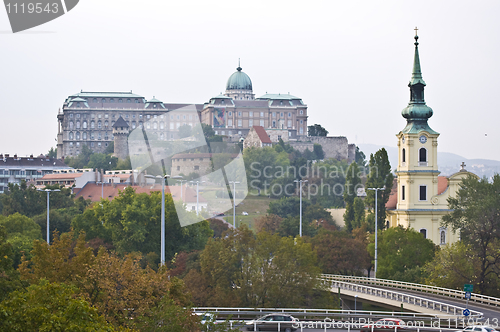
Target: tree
x,y
287,206
269,223
316,130
319,217
21,232
50,307
209,133
360,157
185,131
318,151
52,153
353,182
263,165
340,252
476,215
359,212
401,249
102,161
380,176
9,278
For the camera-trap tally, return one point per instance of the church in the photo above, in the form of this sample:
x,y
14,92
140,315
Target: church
x,y
419,197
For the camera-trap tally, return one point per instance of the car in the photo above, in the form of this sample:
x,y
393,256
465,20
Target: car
x,y
206,317
244,213
270,322
384,325
479,328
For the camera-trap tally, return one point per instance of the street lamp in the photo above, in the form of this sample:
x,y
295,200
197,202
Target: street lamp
x,y
197,194
162,254
48,191
181,186
234,202
300,224
376,226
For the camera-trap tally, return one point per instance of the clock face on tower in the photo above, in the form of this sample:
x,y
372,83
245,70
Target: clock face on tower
x,y
422,139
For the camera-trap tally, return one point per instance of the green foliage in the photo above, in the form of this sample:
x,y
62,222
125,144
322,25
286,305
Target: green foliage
x,y
185,131
352,183
209,133
264,165
110,149
401,249
132,223
21,232
9,278
287,206
81,160
476,214
50,307
290,226
52,153
359,212
316,130
341,252
268,271
101,161
318,151
380,176
360,157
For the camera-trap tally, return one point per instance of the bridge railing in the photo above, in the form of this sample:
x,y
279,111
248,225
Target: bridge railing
x,y
477,298
441,307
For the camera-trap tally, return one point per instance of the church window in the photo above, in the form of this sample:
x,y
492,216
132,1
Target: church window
x,y
423,231
422,155
422,193
442,236
403,155
403,193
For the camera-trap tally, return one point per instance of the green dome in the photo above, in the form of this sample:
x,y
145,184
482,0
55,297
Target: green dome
x,y
239,81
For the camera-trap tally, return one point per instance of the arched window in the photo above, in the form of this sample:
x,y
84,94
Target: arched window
x,y
106,123
423,231
77,124
92,124
71,125
422,155
99,124
77,135
162,126
84,124
71,135
403,155
155,125
84,136
442,236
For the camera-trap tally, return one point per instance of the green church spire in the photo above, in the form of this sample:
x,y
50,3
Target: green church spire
x,y
417,112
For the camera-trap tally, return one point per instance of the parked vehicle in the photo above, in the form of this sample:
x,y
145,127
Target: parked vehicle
x,y
479,328
244,213
270,322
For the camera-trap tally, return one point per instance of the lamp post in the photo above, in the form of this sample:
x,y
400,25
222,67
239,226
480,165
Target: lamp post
x,y
300,192
48,191
376,226
197,195
234,202
181,181
162,234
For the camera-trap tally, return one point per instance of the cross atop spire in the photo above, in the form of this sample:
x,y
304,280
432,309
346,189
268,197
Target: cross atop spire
x,y
239,67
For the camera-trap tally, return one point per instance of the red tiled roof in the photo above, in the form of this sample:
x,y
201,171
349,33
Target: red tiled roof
x,y
261,132
442,184
93,191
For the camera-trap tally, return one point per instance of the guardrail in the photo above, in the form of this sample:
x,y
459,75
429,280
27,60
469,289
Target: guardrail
x,y
477,298
449,309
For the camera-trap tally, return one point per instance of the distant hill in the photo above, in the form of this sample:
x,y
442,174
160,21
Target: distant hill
x,y
448,163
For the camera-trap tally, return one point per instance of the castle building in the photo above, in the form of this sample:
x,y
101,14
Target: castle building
x,y
236,111
88,118
419,199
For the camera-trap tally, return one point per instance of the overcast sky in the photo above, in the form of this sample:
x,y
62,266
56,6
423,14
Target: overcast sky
x,y
350,62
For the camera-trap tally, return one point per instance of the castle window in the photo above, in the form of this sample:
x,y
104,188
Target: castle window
x,y
274,114
148,116
92,125
442,236
106,123
84,136
230,122
197,168
155,125
230,114
289,123
262,123
94,100
422,157
422,193
251,114
111,100
77,135
148,125
239,113
92,144
281,114
262,114
250,123
289,114
120,100
71,116
77,124
274,124
136,101
99,124
301,112
423,231
403,193
403,155
71,125
105,116
71,136
128,100
301,130
240,123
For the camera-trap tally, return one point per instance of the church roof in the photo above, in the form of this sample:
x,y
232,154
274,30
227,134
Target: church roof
x,y
393,198
120,123
239,81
